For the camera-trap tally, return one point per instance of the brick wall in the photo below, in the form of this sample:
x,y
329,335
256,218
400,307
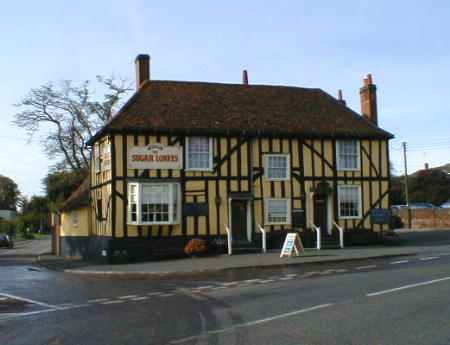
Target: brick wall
x,y
427,218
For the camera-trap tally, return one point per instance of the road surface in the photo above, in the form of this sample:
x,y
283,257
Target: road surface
x,y
385,301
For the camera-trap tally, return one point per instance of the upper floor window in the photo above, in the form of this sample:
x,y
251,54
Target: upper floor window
x,y
199,153
348,155
97,157
153,203
277,167
349,197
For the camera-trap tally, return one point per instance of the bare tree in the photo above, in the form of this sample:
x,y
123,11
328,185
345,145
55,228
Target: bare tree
x,y
67,116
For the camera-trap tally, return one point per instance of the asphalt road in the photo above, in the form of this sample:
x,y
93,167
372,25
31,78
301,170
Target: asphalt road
x,y
386,301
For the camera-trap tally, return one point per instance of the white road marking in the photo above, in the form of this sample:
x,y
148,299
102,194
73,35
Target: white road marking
x,y
157,293
292,275
398,262
219,288
252,323
429,258
429,282
267,281
286,278
251,281
128,296
8,316
169,294
97,300
366,267
114,302
23,299
328,272
139,298
341,270
309,274
230,283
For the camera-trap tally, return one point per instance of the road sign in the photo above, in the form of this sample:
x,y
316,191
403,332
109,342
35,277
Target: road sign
x,y
292,243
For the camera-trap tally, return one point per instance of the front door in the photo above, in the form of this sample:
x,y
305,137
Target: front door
x,y
321,212
239,219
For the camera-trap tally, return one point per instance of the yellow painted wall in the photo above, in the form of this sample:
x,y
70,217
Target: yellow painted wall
x,y
68,225
237,167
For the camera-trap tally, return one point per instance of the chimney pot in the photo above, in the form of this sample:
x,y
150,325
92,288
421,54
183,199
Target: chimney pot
x,y
244,77
142,64
427,166
369,79
340,97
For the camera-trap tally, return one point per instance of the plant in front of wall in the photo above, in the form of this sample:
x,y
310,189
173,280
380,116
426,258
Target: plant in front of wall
x,y
196,247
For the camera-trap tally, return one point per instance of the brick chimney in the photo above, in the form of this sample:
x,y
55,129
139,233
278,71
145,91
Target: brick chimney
x,y
244,77
142,64
340,98
368,95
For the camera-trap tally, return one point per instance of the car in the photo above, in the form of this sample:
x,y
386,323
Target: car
x,y
6,241
421,205
397,207
446,204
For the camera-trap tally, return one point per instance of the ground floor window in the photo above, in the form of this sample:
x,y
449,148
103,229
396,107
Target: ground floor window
x,y
349,198
277,211
153,203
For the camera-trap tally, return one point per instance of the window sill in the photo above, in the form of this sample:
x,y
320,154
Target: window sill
x,y
204,170
355,217
150,224
277,179
356,169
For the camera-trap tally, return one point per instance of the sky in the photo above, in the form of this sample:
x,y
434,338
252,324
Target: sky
x,y
326,44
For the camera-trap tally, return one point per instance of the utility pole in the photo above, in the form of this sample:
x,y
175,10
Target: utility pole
x,y
405,147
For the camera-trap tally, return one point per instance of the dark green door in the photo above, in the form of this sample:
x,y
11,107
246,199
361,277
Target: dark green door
x,y
320,212
239,219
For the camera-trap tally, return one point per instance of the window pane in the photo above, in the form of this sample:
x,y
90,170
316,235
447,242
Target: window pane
x,y
277,211
198,153
277,166
348,154
349,201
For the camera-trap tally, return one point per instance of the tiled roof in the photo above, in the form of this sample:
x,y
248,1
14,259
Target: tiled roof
x,y
198,107
79,198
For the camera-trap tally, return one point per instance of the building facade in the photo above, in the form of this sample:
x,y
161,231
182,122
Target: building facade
x,y
188,159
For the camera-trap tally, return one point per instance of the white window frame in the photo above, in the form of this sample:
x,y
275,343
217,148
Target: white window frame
x,y
106,153
288,166
340,187
97,158
210,165
288,211
139,187
358,156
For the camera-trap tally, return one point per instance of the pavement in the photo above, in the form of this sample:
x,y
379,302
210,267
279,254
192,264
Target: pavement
x,y
387,301
411,243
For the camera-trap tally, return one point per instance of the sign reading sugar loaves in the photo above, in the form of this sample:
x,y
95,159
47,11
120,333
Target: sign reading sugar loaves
x,y
155,156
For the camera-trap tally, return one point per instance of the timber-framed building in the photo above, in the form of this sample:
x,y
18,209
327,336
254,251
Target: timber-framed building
x,y
186,159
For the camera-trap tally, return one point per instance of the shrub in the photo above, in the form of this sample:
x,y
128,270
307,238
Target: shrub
x,y
196,246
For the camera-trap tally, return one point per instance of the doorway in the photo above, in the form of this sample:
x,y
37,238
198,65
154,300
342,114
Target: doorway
x,y
240,220
321,212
